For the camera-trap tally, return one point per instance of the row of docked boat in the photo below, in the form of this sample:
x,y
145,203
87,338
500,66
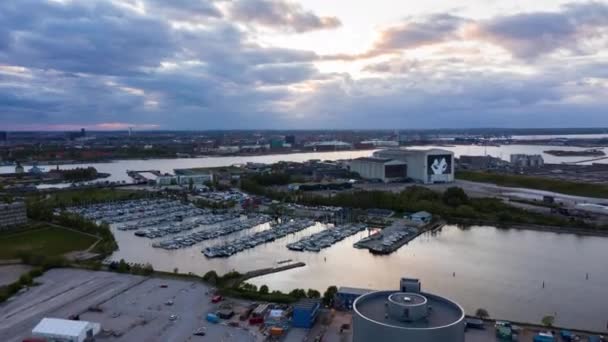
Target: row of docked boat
x,y
122,211
247,242
387,241
326,238
179,227
211,233
168,216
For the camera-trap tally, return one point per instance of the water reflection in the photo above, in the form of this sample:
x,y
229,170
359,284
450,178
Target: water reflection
x,y
501,270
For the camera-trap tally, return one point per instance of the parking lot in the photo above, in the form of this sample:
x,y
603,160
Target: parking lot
x,y
129,308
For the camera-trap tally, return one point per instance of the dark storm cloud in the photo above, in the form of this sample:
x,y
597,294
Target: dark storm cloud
x,y
95,62
280,14
104,61
187,10
83,36
530,35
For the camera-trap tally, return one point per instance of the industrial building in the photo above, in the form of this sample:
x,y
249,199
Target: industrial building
x,y
377,168
63,330
527,160
407,315
12,215
424,166
305,313
346,296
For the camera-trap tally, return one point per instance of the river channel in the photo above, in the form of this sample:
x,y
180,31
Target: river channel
x,y
118,168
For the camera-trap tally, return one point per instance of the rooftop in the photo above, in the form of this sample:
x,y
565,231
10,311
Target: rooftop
x,y
353,290
372,160
407,151
306,304
442,312
60,327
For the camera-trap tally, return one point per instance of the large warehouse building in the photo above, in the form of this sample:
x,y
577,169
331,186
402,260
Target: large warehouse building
x,y
425,166
378,168
407,315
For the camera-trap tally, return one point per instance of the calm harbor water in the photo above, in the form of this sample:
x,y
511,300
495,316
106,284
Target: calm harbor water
x,y
500,270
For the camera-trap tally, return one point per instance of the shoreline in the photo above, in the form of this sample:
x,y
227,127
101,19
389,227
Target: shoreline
x,y
534,227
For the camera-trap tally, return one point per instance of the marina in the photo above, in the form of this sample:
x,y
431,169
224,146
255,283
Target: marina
x,y
388,240
203,217
238,245
226,228
326,238
147,210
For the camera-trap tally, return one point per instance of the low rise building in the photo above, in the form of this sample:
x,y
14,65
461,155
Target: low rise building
x,y
12,215
346,296
481,163
422,217
193,176
305,313
64,330
527,160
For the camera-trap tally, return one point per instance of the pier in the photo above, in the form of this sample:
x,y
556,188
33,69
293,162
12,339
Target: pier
x,y
265,271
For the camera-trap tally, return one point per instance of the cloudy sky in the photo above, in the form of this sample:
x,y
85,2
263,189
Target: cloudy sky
x,y
207,64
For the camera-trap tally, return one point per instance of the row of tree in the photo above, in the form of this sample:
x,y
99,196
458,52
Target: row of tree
x,y
453,204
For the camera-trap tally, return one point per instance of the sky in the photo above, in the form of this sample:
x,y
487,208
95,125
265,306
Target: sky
x,y
309,64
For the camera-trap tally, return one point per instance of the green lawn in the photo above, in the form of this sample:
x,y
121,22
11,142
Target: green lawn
x,y
43,240
72,197
538,183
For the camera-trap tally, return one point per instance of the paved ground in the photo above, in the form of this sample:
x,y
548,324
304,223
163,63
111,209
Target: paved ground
x,y
129,308
329,329
11,273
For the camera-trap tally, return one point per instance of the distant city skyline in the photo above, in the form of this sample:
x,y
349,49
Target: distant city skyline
x,y
310,64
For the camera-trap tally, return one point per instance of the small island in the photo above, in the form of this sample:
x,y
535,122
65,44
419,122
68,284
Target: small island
x,y
584,153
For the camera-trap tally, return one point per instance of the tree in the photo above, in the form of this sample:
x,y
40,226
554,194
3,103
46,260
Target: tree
x,y
455,196
211,277
312,293
328,296
298,293
264,289
482,313
176,270
548,321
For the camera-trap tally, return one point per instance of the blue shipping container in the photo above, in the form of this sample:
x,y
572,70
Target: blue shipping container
x,y
213,318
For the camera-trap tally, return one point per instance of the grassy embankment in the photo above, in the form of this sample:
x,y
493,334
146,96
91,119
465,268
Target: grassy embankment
x,y
43,239
41,207
538,183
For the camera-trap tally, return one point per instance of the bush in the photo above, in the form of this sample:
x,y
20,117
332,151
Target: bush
x,y
482,313
211,277
36,272
25,280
